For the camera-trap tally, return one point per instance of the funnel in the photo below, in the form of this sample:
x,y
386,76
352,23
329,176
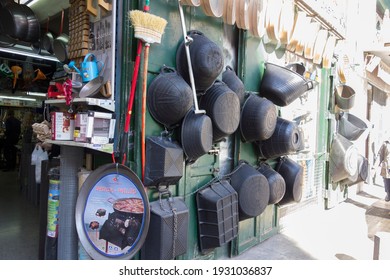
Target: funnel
x,y
17,70
342,159
40,75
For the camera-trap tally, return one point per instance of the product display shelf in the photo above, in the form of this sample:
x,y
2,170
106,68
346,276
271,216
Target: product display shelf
x,y
107,104
106,148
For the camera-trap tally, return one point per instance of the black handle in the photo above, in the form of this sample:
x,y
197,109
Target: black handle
x,y
167,69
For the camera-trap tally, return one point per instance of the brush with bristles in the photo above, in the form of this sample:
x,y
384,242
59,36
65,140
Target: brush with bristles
x,y
147,27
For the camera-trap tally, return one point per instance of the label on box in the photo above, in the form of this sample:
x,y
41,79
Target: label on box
x,y
62,126
80,127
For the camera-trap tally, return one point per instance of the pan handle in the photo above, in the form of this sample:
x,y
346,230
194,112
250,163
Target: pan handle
x,y
187,41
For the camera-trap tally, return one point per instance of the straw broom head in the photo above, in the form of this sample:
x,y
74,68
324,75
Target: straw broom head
x,y
147,27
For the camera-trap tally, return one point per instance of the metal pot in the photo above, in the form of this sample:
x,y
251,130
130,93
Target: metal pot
x,y
14,20
92,88
60,44
345,97
33,26
351,127
47,39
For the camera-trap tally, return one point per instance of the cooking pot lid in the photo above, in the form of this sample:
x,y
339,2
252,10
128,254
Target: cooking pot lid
x,y
105,231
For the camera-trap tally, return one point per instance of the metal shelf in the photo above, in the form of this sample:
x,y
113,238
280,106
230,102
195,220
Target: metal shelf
x,y
107,104
105,148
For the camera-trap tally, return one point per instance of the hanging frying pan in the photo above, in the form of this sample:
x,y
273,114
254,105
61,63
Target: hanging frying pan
x,y
112,213
47,39
33,26
60,44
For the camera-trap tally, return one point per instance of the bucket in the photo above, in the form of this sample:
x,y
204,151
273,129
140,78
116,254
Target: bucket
x,y
230,78
223,107
169,97
361,173
351,127
284,141
283,85
345,97
258,119
342,158
253,190
277,185
206,59
292,173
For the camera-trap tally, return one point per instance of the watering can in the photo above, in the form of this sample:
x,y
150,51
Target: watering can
x,y
89,68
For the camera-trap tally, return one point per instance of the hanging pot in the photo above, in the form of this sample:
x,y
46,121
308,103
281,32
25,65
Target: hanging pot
x,y
14,20
342,158
164,161
169,97
196,135
230,78
223,107
351,127
292,174
253,190
277,185
47,39
60,44
345,97
206,59
258,119
33,26
284,141
282,85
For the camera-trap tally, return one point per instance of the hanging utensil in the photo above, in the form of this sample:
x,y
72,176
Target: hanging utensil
x,y
187,42
47,39
60,44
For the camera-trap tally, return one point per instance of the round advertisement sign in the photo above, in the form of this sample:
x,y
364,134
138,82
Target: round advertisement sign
x,y
112,213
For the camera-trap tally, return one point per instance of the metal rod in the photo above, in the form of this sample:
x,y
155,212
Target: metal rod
x,y
187,41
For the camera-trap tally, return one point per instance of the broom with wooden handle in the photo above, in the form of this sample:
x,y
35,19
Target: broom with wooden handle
x,y
149,29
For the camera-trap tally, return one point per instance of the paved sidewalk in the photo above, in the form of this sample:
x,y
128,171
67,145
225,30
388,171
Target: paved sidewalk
x,y
344,232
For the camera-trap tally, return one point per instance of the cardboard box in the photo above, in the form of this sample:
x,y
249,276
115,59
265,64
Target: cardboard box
x,y
100,127
80,127
62,126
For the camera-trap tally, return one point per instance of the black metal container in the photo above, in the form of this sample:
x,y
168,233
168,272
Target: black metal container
x,y
169,97
164,161
277,185
217,215
253,190
168,230
206,59
284,141
258,119
223,107
292,174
